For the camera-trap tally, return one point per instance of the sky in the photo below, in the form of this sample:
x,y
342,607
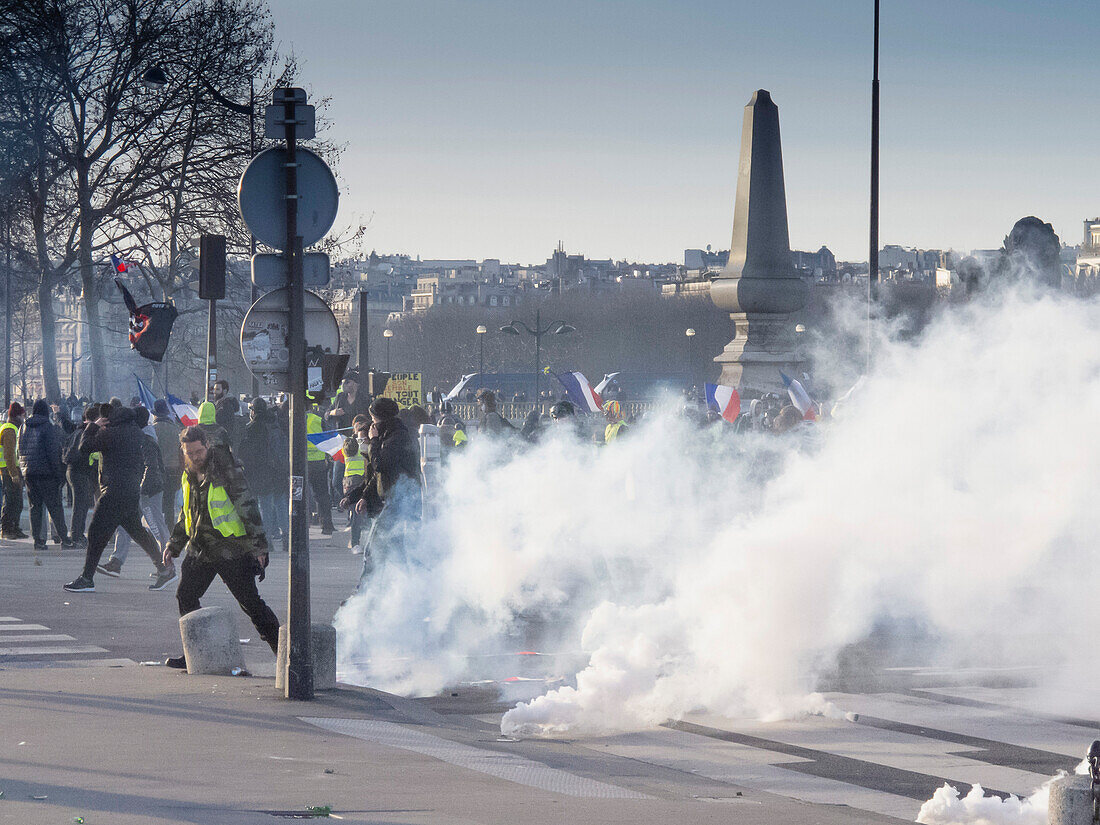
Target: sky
x,y
495,128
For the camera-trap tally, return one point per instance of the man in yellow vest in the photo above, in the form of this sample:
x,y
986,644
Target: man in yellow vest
x,y
12,475
613,412
220,527
355,467
318,470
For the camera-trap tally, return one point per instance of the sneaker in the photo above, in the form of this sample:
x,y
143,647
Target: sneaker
x,y
177,662
19,534
112,568
356,550
164,578
56,539
81,585
39,548
67,544
80,541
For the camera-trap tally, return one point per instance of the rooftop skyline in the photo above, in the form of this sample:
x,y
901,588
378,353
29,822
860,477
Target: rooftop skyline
x,y
487,129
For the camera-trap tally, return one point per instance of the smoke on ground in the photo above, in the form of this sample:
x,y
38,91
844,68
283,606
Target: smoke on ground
x,y
686,569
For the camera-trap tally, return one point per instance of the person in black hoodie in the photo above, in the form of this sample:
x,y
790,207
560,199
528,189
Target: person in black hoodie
x,y
40,444
390,491
82,473
119,441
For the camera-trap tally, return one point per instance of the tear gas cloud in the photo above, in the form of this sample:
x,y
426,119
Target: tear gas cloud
x,y
690,569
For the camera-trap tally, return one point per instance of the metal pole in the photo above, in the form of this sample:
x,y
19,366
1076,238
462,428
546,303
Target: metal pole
x,y
538,343
299,677
873,260
211,349
388,338
481,359
251,237
364,332
7,320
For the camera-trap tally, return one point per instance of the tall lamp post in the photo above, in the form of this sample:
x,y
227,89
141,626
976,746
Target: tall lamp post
x,y
387,334
157,78
481,330
690,333
554,328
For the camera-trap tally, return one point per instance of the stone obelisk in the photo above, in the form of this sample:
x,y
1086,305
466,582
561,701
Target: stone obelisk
x,y
759,286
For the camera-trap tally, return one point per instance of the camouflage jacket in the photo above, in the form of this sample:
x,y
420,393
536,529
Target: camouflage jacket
x,y
207,543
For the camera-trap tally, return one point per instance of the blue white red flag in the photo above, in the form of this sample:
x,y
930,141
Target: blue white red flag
x,y
580,392
118,264
799,397
188,414
331,443
145,395
724,400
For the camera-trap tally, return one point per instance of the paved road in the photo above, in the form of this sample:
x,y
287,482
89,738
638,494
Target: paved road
x,y
128,621
894,748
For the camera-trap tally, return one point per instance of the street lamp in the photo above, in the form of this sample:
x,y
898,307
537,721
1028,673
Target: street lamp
x,y
690,333
156,78
554,328
387,334
481,330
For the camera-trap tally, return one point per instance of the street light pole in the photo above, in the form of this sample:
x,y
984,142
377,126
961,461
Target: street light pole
x,y
7,318
251,237
690,333
481,330
554,328
387,334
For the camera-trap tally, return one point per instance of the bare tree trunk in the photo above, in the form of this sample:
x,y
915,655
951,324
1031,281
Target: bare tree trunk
x,y
88,282
48,327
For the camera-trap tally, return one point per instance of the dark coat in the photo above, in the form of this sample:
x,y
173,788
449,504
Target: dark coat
x,y
120,443
152,480
40,444
392,471
258,455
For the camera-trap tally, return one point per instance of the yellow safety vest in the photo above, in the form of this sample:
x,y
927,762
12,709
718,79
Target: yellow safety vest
x,y
460,438
354,465
314,425
612,431
7,425
223,515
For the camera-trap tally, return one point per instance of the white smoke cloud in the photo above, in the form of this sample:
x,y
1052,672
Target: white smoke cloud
x,y
691,570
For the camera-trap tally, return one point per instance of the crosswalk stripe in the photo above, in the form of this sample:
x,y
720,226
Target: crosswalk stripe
x,y
9,619
45,651
22,627
37,637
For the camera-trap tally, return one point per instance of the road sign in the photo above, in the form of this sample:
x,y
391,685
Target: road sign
x,y
264,336
305,122
270,271
262,197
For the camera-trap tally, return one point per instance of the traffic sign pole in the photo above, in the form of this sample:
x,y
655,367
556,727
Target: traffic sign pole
x,y
299,677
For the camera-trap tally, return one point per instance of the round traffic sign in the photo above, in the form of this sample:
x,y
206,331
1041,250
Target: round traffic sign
x,y
264,342
261,197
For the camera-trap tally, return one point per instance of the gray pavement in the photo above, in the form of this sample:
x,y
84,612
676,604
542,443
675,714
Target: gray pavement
x,y
87,731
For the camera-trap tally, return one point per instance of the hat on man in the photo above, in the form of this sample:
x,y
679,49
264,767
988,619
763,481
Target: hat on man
x,y
383,408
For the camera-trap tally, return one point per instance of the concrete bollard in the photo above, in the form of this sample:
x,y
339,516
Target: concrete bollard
x,y
323,650
210,643
1070,801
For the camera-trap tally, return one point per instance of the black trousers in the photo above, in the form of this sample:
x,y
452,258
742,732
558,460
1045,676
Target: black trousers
x,y
321,500
13,504
239,576
45,491
83,485
111,512
171,487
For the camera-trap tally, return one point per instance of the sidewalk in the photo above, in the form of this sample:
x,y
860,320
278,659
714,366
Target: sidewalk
x,y
129,744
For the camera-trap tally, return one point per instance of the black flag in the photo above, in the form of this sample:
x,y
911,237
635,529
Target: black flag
x,y
150,325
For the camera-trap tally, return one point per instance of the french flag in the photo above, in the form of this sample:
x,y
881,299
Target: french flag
x,y
580,392
188,414
724,400
799,397
118,264
330,443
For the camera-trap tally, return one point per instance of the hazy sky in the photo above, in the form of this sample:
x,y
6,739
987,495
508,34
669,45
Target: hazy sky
x,y
494,128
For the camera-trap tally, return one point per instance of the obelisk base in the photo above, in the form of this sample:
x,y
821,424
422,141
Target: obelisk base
x,y
764,344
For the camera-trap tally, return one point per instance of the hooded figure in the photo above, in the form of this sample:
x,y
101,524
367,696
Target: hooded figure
x,y
40,443
216,436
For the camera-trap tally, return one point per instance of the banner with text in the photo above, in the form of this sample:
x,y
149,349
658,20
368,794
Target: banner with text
x,y
404,388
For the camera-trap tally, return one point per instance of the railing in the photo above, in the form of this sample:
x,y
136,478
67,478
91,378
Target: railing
x,y
517,411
